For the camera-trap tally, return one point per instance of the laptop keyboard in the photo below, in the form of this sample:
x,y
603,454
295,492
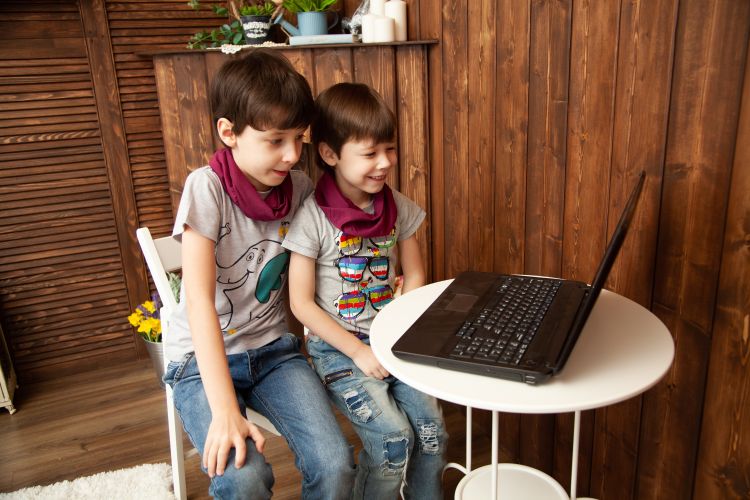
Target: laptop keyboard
x,y
502,331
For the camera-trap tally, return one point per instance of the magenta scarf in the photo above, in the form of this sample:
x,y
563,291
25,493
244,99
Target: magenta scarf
x,y
274,207
351,219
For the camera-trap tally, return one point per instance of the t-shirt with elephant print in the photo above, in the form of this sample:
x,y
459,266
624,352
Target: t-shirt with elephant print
x,y
251,265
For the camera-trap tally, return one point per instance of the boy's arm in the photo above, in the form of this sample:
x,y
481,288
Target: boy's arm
x,y
411,264
302,301
228,428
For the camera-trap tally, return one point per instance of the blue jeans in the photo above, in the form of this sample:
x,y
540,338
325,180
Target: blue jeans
x,y
277,382
402,430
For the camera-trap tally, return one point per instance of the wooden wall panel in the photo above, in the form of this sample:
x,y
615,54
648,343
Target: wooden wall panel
x,y
481,141
723,468
455,138
697,173
63,289
139,26
585,93
413,150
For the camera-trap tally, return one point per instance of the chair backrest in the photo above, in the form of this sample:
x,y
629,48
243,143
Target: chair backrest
x,y
165,255
162,255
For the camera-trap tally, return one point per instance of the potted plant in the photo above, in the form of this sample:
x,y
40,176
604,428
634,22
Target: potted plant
x,y
147,321
311,16
232,32
256,21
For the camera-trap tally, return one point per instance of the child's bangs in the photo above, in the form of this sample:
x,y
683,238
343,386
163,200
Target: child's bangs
x,y
279,117
375,123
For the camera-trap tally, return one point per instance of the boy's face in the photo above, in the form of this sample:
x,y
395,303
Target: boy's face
x,y
362,167
264,156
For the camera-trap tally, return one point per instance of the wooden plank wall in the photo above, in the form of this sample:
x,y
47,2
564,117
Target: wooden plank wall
x,y
81,166
541,113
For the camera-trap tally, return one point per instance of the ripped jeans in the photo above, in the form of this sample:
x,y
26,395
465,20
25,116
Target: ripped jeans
x,y
402,430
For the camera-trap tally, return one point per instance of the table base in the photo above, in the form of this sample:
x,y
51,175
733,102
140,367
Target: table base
x,y
516,482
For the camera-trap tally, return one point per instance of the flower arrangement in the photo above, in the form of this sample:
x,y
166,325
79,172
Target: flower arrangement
x,y
146,319
146,316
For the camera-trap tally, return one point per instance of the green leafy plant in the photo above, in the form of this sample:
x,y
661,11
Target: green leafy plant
x,y
297,6
230,32
263,9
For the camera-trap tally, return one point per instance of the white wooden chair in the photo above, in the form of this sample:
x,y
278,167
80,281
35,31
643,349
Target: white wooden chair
x,y
165,255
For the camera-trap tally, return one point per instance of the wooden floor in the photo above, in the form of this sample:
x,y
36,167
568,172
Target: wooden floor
x,y
115,418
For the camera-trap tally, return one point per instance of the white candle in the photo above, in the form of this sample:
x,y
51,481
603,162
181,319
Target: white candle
x,y
368,28
396,10
384,29
377,7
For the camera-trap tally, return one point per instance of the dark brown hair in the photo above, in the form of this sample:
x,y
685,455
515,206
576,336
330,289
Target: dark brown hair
x,y
262,90
350,111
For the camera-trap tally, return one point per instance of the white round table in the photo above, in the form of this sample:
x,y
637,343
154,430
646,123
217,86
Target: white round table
x,y
622,351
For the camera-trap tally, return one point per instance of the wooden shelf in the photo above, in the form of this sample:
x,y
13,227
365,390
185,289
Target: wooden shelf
x,y
357,45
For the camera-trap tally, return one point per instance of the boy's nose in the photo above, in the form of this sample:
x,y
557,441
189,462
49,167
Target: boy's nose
x,y
292,153
384,161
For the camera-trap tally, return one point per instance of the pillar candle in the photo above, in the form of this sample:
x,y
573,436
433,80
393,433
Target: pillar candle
x,y
377,7
396,10
368,28
384,29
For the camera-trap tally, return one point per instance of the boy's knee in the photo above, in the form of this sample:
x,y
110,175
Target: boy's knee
x,y
332,462
396,450
254,480
431,436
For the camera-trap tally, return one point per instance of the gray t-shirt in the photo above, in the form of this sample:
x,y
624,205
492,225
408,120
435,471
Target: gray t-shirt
x,y
354,277
251,265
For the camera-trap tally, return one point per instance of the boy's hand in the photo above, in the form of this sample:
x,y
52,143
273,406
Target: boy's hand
x,y
368,363
227,432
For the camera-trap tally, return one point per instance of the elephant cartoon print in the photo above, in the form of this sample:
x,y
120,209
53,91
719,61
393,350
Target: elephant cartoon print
x,y
263,264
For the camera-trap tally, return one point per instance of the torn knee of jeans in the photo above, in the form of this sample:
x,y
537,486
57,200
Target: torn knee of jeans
x,y
357,402
395,454
429,437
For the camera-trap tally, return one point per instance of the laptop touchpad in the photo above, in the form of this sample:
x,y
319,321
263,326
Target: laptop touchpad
x,y
461,302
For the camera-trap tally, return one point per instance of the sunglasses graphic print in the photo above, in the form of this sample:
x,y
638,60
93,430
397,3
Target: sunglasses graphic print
x,y
351,245
352,268
351,304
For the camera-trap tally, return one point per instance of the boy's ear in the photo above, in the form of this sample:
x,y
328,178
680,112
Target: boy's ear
x,y
328,155
224,128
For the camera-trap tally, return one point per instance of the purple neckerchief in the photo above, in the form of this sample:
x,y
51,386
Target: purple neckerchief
x,y
351,219
243,194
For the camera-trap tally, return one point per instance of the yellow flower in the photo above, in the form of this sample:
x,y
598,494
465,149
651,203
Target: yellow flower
x,y
135,318
149,306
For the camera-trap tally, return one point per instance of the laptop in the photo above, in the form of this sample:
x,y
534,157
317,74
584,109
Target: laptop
x,y
513,327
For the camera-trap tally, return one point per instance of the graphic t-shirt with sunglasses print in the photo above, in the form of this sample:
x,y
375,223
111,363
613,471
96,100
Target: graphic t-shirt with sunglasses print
x,y
354,276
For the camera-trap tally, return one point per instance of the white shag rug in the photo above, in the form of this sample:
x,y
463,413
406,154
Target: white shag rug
x,y
149,481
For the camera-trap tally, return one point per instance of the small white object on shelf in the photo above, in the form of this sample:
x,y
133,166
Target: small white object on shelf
x,y
368,27
321,39
384,30
377,7
396,10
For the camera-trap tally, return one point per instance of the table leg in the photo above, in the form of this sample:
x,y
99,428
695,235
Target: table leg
x,y
469,431
574,461
495,427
